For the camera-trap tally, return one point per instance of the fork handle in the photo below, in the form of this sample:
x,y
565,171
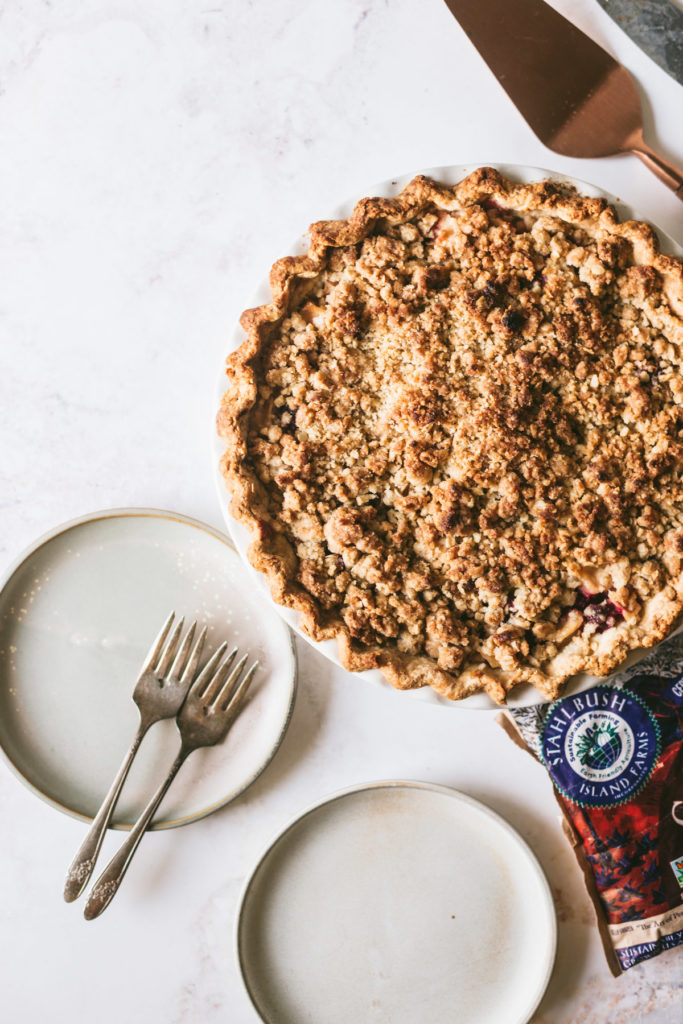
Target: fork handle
x,y
107,884
83,863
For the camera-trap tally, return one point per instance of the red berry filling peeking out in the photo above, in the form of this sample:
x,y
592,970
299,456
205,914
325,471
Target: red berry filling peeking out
x,y
598,609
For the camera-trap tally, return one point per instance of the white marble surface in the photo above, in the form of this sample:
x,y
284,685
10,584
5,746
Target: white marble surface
x,y
156,157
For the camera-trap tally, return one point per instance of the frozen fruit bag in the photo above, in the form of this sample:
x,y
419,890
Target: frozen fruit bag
x,y
615,756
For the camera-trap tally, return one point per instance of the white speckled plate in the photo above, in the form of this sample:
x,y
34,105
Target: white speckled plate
x,y
78,613
397,903
522,695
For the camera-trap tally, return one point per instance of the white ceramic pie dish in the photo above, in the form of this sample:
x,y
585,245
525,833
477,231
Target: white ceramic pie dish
x,y
78,612
397,902
524,694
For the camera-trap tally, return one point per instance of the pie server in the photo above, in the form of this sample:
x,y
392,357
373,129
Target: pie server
x,y
574,95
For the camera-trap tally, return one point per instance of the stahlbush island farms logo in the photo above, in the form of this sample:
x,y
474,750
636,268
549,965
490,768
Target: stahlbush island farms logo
x,y
600,746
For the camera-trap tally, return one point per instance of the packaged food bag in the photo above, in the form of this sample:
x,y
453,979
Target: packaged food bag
x,y
615,756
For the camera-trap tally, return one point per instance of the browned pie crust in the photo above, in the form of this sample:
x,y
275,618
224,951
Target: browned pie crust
x,y
455,436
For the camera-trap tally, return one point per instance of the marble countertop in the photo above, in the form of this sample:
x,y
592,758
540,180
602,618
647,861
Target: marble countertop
x,y
156,158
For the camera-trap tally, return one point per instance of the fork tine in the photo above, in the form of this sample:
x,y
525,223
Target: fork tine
x,y
155,649
178,666
195,655
237,694
164,662
204,677
222,697
212,690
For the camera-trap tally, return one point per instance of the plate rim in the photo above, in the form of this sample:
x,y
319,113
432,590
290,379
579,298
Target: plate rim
x,y
414,784
329,649
130,512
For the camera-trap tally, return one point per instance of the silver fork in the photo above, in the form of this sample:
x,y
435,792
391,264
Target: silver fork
x,y
161,688
210,708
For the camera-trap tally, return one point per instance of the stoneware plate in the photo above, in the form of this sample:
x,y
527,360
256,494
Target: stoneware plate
x,y
78,613
522,695
397,902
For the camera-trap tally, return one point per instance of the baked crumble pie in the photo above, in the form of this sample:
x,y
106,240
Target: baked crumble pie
x,y
455,436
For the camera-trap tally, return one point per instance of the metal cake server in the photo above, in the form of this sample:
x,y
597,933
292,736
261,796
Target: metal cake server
x,y
578,100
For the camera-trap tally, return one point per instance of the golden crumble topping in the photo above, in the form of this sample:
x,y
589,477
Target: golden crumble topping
x,y
456,435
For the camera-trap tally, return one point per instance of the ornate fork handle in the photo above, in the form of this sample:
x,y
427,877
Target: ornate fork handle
x,y
83,863
107,884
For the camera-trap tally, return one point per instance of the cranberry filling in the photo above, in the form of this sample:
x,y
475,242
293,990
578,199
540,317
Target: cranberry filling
x,y
512,319
490,204
598,609
436,226
288,419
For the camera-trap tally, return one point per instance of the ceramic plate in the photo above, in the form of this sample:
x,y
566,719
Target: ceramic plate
x,y
522,695
397,903
78,613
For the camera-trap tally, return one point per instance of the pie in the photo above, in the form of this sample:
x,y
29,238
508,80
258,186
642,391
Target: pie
x,y
455,436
